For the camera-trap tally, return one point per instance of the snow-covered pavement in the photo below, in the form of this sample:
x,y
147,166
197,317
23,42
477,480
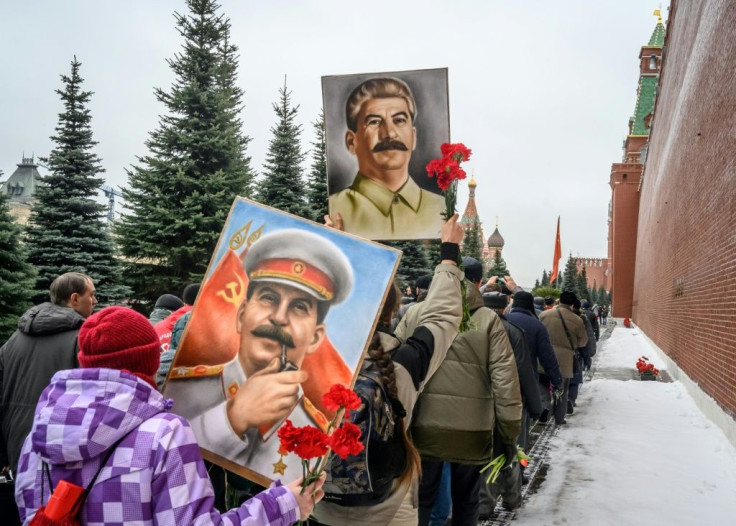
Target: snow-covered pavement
x,y
635,452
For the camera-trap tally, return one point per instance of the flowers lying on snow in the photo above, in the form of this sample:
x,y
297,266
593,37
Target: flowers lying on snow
x,y
644,367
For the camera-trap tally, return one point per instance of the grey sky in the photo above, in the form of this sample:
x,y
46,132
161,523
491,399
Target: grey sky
x,y
541,91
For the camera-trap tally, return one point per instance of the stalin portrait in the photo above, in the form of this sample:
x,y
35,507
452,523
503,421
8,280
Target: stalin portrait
x,y
384,200
294,277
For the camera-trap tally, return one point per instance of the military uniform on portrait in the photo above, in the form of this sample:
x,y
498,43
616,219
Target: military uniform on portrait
x,y
371,210
258,448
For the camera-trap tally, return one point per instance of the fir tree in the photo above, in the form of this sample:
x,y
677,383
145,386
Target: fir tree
x,y
317,179
602,297
66,231
545,279
472,243
414,262
570,276
282,186
582,289
181,192
17,277
498,266
432,249
537,284
546,291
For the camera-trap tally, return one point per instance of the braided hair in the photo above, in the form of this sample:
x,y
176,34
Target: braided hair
x,y
378,355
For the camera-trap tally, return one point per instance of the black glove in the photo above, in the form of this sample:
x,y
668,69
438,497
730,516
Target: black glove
x,y
510,451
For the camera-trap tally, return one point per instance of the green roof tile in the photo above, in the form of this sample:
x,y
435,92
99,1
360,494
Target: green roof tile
x,y
657,36
644,104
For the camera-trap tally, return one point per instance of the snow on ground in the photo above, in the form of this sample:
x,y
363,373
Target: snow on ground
x,y
635,452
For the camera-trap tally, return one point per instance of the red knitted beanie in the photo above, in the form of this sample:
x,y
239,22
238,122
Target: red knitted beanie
x,y
120,338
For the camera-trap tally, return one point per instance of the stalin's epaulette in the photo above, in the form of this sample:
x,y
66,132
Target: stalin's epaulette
x,y
315,414
198,371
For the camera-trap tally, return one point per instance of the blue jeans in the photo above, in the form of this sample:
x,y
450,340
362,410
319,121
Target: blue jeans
x,y
443,501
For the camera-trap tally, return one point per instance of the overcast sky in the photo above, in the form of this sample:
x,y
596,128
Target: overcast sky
x,y
541,91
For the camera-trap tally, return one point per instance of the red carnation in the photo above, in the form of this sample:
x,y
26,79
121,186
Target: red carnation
x,y
312,443
340,396
307,442
457,151
346,440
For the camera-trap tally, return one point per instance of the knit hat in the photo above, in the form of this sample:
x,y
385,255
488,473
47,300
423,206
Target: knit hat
x,y
168,302
539,302
120,338
423,282
495,300
549,300
473,269
568,298
524,300
190,293
586,304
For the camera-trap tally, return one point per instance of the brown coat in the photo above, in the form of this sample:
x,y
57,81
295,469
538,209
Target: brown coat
x,y
563,351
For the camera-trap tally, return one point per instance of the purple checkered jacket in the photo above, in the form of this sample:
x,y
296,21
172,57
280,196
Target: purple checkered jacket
x,y
156,474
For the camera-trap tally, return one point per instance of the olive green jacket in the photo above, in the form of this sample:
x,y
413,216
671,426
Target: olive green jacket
x,y
474,389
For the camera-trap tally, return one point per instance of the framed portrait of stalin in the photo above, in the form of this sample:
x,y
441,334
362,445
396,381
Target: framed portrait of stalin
x,y
286,310
382,129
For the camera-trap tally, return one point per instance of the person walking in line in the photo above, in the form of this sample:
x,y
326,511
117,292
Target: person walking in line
x,y
107,427
567,334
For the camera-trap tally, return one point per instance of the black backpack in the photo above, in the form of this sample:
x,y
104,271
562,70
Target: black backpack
x,y
367,478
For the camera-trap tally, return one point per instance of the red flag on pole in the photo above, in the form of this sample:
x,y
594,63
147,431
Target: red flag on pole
x,y
558,254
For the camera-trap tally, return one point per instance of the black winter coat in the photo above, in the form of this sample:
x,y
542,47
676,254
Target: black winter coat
x,y
45,342
537,339
527,370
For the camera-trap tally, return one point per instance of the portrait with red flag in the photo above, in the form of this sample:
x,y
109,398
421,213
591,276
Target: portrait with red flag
x,y
286,310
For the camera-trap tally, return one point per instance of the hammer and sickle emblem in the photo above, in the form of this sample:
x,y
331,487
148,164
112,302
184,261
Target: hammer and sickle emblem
x,y
235,291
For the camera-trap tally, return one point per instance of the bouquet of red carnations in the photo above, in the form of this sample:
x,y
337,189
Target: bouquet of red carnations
x,y
645,368
309,442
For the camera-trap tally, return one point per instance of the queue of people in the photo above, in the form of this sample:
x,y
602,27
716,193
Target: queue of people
x,y
82,415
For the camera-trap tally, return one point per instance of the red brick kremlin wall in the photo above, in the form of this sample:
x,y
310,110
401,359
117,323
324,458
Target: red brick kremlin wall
x,y
685,277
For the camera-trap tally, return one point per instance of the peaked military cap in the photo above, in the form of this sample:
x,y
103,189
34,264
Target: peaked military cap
x,y
303,260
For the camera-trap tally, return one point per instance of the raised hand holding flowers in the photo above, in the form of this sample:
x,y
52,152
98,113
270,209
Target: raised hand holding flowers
x,y
447,171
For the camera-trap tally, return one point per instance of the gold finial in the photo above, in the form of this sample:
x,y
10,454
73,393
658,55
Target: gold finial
x,y
472,182
496,221
658,14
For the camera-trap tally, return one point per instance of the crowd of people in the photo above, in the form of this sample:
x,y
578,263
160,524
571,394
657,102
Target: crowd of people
x,y
81,408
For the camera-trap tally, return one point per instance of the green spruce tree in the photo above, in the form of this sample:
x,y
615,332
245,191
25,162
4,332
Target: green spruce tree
x,y
473,243
282,186
537,284
570,276
414,262
582,291
602,297
498,266
17,276
545,279
66,231
432,250
317,179
182,190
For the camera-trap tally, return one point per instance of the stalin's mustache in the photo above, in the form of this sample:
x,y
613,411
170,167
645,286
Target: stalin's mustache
x,y
390,144
274,333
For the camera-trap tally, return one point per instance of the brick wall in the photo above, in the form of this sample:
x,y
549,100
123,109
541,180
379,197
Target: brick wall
x,y
685,282
625,179
596,269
